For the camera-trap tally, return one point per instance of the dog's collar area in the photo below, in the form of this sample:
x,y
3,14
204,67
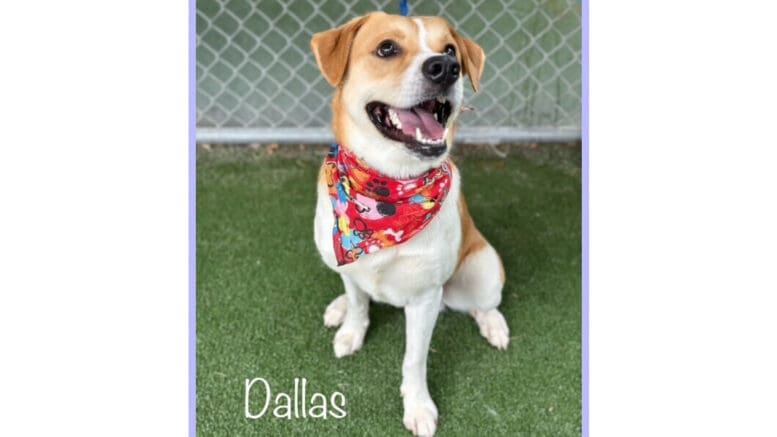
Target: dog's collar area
x,y
373,211
422,128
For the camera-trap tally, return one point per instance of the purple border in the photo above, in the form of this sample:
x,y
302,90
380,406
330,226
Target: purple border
x,y
584,23
192,215
192,219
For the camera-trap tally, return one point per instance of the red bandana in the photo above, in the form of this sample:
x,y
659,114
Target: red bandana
x,y
373,211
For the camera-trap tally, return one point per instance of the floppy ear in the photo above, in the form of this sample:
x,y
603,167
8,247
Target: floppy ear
x,y
473,58
332,48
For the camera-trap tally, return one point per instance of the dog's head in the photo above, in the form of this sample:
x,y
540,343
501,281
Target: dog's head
x,y
399,87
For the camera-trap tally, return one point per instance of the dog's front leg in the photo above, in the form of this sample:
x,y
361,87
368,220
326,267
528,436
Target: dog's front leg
x,y
350,336
420,415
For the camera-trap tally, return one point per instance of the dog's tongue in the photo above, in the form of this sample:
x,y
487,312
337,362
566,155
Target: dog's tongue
x,y
419,118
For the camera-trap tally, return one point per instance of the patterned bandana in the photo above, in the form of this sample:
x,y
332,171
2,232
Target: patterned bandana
x,y
373,211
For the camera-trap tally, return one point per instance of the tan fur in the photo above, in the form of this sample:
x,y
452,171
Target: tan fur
x,y
472,59
332,49
472,240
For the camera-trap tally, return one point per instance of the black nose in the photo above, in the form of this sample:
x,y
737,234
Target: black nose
x,y
442,70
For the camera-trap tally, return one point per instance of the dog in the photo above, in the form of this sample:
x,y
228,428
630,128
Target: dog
x,y
390,218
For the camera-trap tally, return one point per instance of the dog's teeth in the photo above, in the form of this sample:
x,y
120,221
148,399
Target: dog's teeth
x,y
436,118
418,135
395,119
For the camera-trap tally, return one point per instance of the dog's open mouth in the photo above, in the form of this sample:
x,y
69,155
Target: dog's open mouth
x,y
421,127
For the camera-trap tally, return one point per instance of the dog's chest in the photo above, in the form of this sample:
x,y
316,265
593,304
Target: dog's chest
x,y
398,273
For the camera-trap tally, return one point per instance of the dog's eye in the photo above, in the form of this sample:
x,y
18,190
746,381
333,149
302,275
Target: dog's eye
x,y
450,50
387,49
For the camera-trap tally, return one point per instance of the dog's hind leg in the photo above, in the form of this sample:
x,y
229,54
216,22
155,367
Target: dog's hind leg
x,y
335,311
350,337
493,327
476,288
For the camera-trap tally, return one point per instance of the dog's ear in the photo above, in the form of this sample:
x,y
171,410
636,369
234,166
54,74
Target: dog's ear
x,y
473,58
332,49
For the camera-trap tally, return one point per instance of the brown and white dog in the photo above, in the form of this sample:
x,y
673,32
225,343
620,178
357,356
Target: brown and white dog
x,y
384,65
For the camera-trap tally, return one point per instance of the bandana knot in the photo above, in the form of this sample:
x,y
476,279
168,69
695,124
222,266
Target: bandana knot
x,y
373,211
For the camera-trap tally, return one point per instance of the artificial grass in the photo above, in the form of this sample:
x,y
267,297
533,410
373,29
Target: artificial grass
x,y
262,290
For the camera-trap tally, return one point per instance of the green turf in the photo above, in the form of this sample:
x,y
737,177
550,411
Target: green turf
x,y
262,290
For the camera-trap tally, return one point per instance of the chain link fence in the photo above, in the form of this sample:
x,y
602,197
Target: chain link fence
x,y
257,80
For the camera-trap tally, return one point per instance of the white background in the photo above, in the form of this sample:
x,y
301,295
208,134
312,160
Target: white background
x,y
93,223
683,232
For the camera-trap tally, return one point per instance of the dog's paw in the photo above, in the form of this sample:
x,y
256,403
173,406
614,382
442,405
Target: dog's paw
x,y
493,327
348,340
335,312
420,417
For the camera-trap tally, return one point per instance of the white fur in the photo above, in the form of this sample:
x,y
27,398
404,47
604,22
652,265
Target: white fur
x,y
423,45
350,336
493,327
335,312
477,284
419,272
420,316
